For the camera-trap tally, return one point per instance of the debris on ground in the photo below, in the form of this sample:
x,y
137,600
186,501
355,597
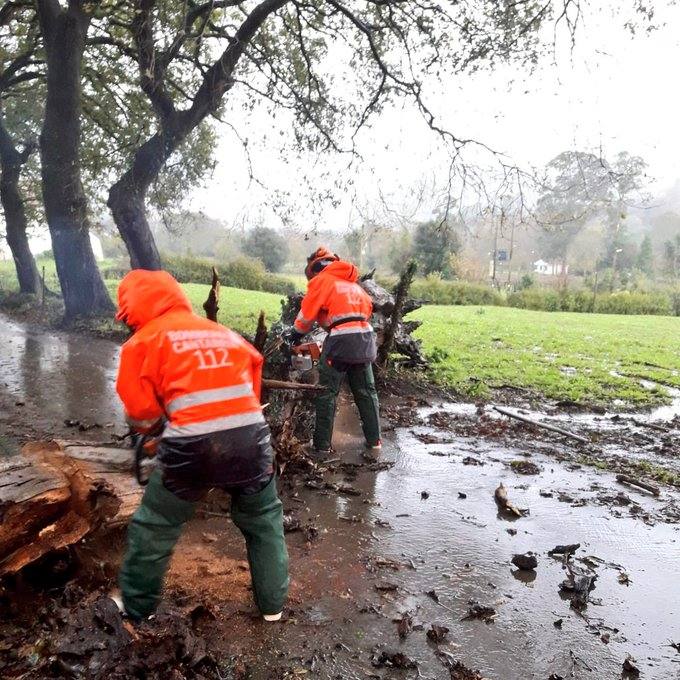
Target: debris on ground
x,y
524,467
404,626
386,587
392,658
525,562
433,595
471,460
578,585
485,613
424,495
437,633
503,502
568,549
630,668
458,670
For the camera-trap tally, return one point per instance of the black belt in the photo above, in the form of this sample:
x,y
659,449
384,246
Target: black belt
x,y
347,319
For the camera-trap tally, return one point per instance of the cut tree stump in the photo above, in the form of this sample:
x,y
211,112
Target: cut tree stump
x,y
56,493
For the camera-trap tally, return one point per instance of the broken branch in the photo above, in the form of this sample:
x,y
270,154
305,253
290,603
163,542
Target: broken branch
x,y
631,481
285,385
544,426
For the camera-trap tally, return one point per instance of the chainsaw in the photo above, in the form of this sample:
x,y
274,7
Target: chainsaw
x,y
305,356
145,446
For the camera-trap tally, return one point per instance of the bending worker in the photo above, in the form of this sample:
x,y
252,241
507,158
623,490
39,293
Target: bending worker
x,y
340,305
197,385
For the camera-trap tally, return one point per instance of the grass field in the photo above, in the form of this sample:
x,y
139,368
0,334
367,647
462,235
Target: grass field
x,y
582,357
239,309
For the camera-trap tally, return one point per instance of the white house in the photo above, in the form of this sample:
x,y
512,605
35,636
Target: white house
x,y
553,268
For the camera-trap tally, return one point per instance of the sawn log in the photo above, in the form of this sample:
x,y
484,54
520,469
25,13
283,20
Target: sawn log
x,y
56,493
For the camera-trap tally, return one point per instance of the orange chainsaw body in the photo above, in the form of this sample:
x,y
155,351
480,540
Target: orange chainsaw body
x,y
305,356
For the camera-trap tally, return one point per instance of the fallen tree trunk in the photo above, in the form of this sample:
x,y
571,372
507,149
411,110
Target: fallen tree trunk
x,y
544,426
56,493
395,317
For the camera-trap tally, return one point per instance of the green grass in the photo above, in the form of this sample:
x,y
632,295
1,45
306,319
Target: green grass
x,y
479,348
239,309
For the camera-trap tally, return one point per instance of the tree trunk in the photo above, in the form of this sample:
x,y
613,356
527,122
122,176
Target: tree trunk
x,y
83,289
16,223
126,202
128,195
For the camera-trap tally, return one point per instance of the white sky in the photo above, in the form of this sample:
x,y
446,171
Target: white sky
x,y
614,91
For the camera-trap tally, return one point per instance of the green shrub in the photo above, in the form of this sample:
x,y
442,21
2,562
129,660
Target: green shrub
x,y
115,270
634,303
540,299
437,291
624,302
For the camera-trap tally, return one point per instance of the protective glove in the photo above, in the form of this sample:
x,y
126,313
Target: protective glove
x,y
291,336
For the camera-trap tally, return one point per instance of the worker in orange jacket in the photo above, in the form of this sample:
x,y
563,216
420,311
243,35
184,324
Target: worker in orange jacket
x,y
197,385
340,305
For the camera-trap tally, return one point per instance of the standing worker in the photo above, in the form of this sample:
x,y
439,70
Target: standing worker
x,y
197,385
340,305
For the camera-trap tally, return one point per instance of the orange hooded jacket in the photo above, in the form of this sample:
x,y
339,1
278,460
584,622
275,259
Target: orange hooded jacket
x,y
198,375
340,305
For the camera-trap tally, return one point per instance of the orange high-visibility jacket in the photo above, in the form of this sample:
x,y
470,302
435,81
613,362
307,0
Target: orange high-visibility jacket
x,y
199,375
340,305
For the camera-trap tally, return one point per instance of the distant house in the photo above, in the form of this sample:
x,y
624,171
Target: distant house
x,y
553,268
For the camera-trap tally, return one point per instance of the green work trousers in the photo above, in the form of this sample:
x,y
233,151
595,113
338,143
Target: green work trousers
x,y
156,527
362,385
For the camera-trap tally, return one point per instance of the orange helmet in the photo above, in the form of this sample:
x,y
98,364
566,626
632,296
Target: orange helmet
x,y
318,261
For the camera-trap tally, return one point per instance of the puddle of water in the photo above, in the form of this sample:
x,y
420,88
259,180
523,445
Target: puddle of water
x,y
59,375
461,548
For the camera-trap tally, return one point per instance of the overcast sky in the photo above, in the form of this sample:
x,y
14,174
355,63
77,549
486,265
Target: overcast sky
x,y
614,91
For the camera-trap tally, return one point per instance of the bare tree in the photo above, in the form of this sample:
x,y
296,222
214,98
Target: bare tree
x,y
330,64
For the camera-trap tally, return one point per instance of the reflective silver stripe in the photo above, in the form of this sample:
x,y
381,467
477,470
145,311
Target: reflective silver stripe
x,y
142,423
353,329
208,396
213,425
302,322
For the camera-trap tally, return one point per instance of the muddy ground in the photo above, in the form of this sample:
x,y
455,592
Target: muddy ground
x,y
379,553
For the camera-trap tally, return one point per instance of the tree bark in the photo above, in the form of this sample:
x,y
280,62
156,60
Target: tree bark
x,y
391,329
56,493
126,201
11,162
64,32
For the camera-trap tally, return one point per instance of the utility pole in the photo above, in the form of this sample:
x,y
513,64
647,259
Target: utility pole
x,y
495,251
512,247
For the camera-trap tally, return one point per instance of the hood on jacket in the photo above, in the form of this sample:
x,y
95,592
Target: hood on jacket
x,y
145,295
342,269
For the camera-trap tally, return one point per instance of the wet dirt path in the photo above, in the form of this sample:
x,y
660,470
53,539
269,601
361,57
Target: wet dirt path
x,y
361,562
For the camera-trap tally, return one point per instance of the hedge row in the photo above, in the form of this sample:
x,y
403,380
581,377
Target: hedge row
x,y
239,273
435,290
665,303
